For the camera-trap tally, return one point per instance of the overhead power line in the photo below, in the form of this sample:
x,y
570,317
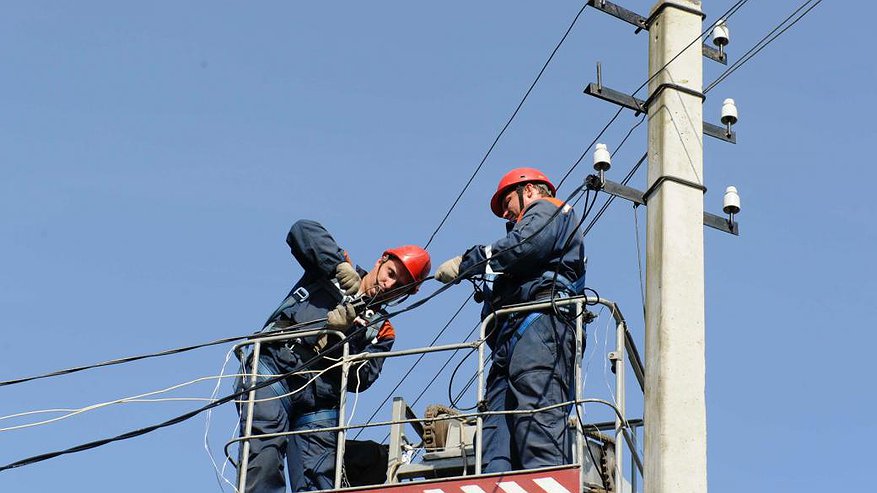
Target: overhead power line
x,y
178,419
127,359
776,32
763,42
304,366
227,340
507,123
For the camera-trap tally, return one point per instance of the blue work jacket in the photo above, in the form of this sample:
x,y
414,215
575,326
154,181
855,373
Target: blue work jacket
x,y
318,254
525,259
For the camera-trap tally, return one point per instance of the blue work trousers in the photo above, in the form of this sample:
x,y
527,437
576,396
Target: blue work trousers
x,y
310,457
532,373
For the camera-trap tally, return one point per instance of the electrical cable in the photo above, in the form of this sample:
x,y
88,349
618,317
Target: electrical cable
x,y
506,126
179,350
166,352
285,330
727,15
220,475
127,359
238,338
454,400
356,393
100,405
226,340
435,376
477,265
413,365
639,258
177,419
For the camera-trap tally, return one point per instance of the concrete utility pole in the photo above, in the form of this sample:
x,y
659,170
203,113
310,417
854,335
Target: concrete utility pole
x,y
675,409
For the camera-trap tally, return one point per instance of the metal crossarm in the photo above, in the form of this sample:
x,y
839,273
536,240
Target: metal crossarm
x,y
632,194
641,106
642,24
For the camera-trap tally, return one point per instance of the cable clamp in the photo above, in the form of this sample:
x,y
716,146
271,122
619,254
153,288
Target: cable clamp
x,y
668,85
654,15
660,181
482,406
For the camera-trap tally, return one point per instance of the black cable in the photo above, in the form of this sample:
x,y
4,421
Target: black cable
x,y
129,359
228,398
183,417
588,147
727,14
445,365
757,47
506,126
380,318
414,365
454,400
477,265
435,377
415,305
405,287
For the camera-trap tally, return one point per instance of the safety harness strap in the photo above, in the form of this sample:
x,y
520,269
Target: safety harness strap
x,y
308,418
302,294
279,387
522,327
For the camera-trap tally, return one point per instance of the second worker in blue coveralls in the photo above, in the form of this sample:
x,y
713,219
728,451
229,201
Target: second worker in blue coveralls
x,y
533,355
310,399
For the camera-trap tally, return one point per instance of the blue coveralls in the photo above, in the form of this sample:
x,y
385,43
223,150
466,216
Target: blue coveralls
x,y
530,368
310,457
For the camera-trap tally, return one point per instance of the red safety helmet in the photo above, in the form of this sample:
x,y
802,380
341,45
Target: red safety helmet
x,y
416,262
513,178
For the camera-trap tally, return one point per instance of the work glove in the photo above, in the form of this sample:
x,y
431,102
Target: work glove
x,y
347,277
449,270
341,317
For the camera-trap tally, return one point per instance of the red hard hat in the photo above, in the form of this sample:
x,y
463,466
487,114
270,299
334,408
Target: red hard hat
x,y
513,178
416,262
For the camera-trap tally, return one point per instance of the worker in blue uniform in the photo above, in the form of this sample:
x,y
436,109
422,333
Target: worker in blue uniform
x,y
302,401
532,354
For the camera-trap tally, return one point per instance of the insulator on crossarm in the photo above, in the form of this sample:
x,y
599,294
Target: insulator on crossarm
x,y
731,204
721,35
602,161
729,114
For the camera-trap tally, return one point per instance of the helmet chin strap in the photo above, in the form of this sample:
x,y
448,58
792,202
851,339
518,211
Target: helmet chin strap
x,y
520,191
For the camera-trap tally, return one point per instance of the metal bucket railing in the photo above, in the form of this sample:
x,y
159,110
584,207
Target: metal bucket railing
x,y
625,350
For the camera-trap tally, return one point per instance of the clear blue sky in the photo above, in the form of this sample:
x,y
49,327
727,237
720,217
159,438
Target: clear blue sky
x,y
154,156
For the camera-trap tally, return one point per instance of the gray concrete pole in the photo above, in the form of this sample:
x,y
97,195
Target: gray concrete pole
x,y
675,409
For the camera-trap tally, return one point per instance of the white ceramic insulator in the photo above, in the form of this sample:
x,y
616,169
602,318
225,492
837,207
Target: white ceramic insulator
x,y
729,111
721,34
602,159
732,201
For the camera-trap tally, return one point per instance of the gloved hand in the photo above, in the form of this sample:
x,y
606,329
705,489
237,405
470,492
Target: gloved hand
x,y
341,317
449,270
347,277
